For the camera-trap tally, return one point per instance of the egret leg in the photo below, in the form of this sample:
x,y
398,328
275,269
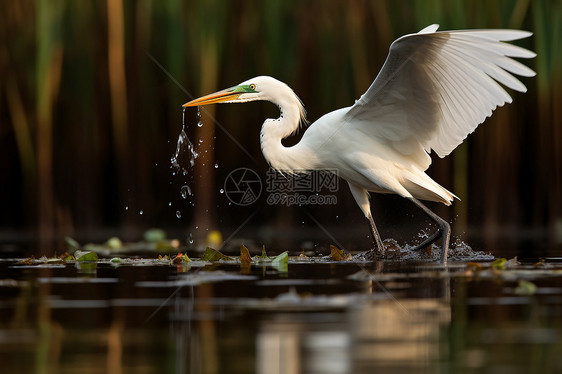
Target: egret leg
x,y
377,241
444,231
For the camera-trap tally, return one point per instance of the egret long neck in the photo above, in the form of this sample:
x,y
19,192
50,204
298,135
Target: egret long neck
x,y
274,130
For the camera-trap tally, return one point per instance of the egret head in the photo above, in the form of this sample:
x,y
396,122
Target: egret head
x,y
251,90
259,88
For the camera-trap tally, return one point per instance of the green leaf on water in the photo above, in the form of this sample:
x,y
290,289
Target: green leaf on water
x,y
499,263
85,256
281,262
525,288
212,255
115,260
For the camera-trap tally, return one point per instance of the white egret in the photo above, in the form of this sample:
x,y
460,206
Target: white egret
x,y
433,90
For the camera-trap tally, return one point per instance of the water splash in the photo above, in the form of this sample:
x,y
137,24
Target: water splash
x,y
185,151
458,251
183,160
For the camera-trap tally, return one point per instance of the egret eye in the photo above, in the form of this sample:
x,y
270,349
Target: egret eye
x,y
252,86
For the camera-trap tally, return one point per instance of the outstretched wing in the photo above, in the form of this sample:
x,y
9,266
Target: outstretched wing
x,y
435,88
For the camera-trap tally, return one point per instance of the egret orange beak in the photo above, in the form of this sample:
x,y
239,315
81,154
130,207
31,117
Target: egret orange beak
x,y
230,94
216,97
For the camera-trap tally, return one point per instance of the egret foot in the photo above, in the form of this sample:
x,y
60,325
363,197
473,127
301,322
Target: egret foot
x,y
443,232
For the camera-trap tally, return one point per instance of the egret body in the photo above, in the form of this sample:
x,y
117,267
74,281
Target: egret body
x,y
433,90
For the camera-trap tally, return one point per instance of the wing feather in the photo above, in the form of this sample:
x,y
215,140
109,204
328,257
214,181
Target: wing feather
x,y
437,87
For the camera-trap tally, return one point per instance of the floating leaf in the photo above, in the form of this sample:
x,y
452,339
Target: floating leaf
x,y
67,257
212,255
85,256
539,263
499,264
245,257
263,256
281,262
181,257
114,243
339,254
282,258
525,288
154,235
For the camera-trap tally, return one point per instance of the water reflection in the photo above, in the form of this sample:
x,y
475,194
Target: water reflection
x,y
318,318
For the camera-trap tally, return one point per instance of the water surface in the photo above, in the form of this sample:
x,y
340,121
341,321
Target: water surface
x,y
314,317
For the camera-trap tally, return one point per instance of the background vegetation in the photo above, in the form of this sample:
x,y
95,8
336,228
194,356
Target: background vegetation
x,y
90,110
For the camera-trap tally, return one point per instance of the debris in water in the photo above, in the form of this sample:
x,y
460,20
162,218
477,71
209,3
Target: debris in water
x,y
212,255
339,254
245,257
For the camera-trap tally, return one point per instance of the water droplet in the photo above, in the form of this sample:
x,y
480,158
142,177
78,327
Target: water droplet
x,y
185,191
178,214
190,239
127,207
184,153
196,227
199,124
221,190
141,212
169,203
216,166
